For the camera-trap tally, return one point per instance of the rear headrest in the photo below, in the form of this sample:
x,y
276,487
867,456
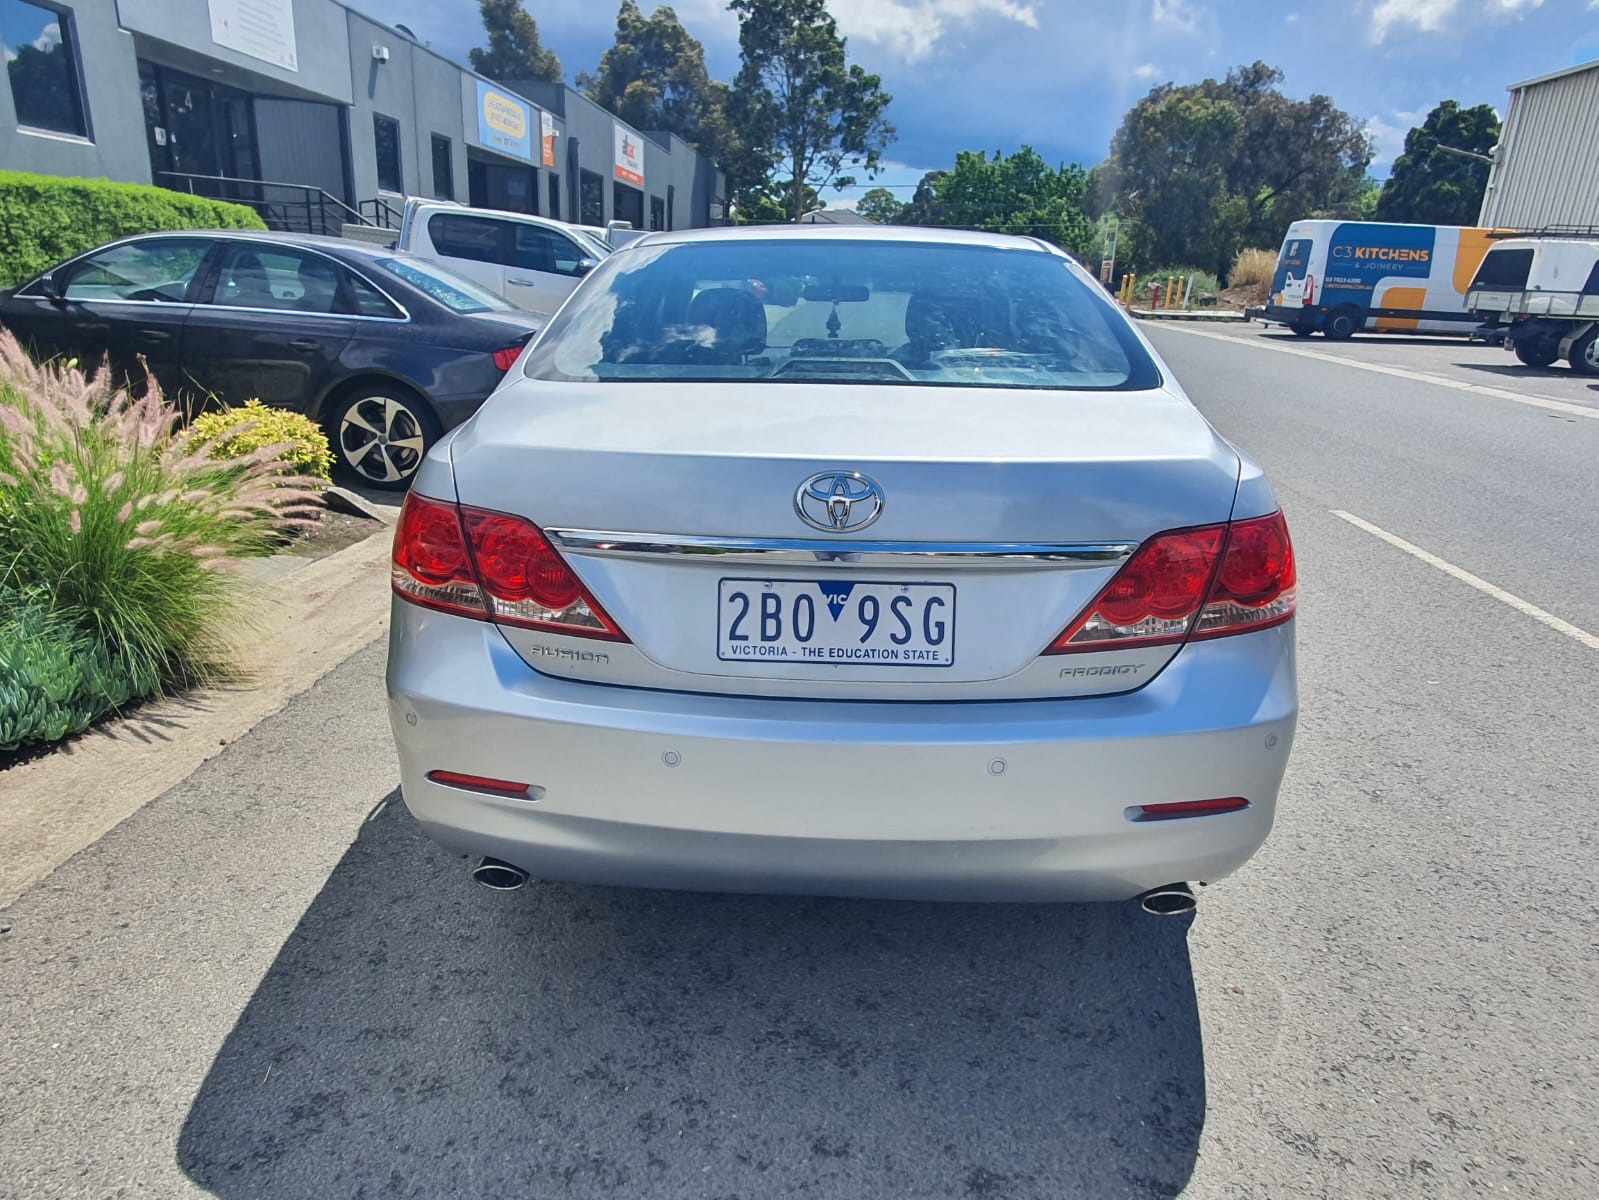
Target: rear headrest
x,y
942,319
738,318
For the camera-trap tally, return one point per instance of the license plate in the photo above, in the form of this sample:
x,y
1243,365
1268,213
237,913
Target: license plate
x,y
826,621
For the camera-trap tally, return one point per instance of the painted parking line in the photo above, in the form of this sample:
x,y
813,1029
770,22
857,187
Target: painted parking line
x,y
1482,585
1560,406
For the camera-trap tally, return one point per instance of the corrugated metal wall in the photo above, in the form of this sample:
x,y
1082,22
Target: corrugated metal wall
x,y
1548,164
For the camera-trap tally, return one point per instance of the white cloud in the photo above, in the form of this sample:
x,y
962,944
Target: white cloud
x,y
1431,16
49,38
912,29
1293,18
1388,138
1147,71
1177,16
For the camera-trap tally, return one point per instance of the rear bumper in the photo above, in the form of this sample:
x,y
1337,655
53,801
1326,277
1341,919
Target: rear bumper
x,y
992,800
1294,316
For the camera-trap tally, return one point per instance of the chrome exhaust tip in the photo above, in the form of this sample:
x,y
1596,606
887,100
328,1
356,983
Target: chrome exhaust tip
x,y
1172,900
498,876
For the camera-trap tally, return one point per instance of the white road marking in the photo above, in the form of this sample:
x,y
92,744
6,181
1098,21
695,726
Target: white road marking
x,y
1255,343
1482,585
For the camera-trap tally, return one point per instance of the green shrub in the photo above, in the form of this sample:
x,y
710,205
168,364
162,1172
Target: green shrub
x,y
44,219
55,679
129,525
241,432
1204,281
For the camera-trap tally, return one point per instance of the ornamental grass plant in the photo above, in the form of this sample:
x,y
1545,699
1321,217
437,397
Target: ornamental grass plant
x,y
127,526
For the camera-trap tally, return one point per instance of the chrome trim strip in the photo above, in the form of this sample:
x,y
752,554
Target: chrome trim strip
x,y
804,551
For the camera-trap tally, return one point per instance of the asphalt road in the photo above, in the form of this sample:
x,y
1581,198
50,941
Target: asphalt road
x,y
267,983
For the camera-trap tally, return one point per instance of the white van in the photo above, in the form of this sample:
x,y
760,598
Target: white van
x,y
1342,277
534,262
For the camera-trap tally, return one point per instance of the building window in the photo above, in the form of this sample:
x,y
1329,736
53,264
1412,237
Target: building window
x,y
627,204
555,195
657,213
42,62
443,169
591,199
386,137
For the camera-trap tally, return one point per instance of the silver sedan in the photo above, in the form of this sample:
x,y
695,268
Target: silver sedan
x,y
858,561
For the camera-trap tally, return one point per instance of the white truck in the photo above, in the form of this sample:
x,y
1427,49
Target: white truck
x,y
534,262
1542,294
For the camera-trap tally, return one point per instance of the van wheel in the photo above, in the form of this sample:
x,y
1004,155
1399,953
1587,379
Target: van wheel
x,y
1342,324
380,434
1540,351
1302,330
1584,358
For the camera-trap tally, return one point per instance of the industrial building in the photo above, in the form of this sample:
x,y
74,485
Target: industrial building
x,y
318,116
1545,173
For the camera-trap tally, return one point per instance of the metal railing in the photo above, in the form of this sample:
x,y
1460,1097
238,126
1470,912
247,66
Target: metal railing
x,y
1582,232
286,207
381,213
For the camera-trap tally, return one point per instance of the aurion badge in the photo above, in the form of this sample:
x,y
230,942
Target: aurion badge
x,y
839,501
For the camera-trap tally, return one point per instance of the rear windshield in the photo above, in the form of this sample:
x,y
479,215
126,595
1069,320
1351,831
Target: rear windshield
x,y
840,311
1503,270
455,292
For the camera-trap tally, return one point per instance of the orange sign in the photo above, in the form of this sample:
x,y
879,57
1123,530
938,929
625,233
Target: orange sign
x,y
547,138
629,163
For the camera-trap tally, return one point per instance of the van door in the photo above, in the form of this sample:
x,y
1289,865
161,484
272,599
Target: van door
x,y
472,245
545,267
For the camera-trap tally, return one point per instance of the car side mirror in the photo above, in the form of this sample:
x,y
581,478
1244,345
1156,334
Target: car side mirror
x,y
585,265
51,287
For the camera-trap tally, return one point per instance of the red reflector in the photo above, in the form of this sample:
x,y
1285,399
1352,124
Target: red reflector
x,y
478,783
1187,808
506,359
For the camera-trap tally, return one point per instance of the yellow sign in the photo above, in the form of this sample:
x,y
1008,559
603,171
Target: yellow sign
x,y
504,115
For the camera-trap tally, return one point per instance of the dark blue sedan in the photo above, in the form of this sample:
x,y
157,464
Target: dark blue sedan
x,y
386,350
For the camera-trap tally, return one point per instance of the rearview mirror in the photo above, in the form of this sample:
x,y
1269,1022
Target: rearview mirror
x,y
837,293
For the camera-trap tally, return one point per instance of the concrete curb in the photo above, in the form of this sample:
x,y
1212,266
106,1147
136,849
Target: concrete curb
x,y
1221,316
308,623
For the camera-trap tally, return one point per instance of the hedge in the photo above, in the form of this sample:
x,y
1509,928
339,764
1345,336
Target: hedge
x,y
44,219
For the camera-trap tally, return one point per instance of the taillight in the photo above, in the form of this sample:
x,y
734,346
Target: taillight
x,y
1257,586
506,359
430,566
1310,290
491,566
1207,582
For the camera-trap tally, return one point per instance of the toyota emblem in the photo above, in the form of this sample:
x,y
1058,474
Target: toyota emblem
x,y
838,501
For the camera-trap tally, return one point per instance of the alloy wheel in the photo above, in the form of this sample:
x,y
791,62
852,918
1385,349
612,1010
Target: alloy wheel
x,y
381,439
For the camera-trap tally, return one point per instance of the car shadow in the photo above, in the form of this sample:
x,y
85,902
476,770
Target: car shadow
x,y
420,1036
1519,371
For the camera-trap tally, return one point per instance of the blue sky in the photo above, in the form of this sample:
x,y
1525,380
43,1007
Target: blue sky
x,y
1058,74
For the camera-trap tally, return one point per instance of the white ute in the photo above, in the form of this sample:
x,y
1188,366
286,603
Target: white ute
x,y
534,262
